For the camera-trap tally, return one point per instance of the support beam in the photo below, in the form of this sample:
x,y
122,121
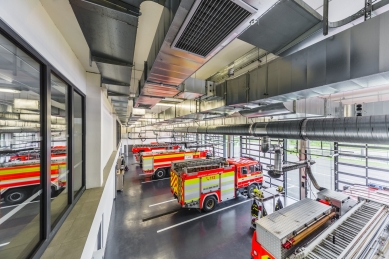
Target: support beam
x,y
113,82
368,9
336,165
325,17
111,61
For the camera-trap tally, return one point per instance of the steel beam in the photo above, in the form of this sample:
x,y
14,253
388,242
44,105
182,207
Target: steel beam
x,y
111,61
325,17
368,9
113,82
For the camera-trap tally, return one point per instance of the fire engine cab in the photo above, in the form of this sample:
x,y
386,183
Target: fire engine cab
x,y
158,163
203,183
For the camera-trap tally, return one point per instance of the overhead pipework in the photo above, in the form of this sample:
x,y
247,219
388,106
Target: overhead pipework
x,y
362,129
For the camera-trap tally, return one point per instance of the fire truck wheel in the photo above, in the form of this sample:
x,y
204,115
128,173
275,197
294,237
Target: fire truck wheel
x,y
209,204
159,174
250,191
15,196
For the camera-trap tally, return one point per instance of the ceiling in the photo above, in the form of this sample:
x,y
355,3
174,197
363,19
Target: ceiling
x,y
63,17
338,9
231,52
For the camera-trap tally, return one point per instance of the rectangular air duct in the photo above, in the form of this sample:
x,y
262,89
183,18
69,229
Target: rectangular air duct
x,y
209,23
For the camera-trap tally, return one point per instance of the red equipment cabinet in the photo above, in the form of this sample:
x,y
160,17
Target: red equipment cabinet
x,y
203,183
257,251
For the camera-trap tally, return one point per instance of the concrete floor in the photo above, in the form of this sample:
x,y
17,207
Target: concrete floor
x,y
145,217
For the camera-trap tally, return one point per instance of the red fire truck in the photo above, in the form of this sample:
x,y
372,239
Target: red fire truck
x,y
20,179
155,146
158,163
203,183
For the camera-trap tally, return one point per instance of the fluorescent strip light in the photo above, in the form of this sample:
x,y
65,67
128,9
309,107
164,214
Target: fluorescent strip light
x,y
137,111
6,90
4,244
6,78
165,104
26,104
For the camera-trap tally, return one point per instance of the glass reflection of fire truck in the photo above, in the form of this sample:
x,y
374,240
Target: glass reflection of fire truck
x,y
19,180
157,163
56,151
203,183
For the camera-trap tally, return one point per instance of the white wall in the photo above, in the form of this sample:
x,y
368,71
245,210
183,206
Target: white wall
x,y
107,133
30,20
94,171
104,207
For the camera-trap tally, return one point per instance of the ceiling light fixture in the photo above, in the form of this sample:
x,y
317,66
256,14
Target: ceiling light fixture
x,y
165,104
6,90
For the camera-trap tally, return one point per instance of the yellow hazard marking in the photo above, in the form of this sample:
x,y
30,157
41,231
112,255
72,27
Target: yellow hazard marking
x,y
192,181
228,174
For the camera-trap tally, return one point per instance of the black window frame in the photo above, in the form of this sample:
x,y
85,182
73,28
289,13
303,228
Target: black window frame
x,y
46,69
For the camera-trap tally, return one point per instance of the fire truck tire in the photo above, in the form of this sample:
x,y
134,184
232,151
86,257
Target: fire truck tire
x,y
160,173
209,204
250,190
15,196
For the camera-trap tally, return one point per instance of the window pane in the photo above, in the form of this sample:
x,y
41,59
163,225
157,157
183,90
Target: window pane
x,y
20,143
59,150
77,140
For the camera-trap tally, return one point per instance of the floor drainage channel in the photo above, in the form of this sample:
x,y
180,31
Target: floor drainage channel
x,y
160,215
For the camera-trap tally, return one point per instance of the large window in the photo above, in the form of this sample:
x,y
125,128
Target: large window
x,y
20,161
41,148
59,148
218,142
251,147
361,164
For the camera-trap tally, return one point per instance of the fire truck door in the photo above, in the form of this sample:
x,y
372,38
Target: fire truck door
x,y
210,183
227,185
192,190
148,163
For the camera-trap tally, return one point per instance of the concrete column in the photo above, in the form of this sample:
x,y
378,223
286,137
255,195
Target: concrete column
x,y
303,147
94,171
229,146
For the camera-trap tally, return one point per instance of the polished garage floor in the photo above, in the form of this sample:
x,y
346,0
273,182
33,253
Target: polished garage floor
x,y
147,223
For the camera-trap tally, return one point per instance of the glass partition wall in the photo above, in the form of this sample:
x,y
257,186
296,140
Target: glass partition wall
x,y
41,148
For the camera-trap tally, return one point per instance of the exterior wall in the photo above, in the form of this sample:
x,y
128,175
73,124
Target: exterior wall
x,y
30,20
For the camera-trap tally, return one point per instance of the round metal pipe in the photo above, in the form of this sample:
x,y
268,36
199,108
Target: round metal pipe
x,y
367,130
265,145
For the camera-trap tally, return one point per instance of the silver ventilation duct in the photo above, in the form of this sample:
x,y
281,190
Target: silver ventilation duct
x,y
368,130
